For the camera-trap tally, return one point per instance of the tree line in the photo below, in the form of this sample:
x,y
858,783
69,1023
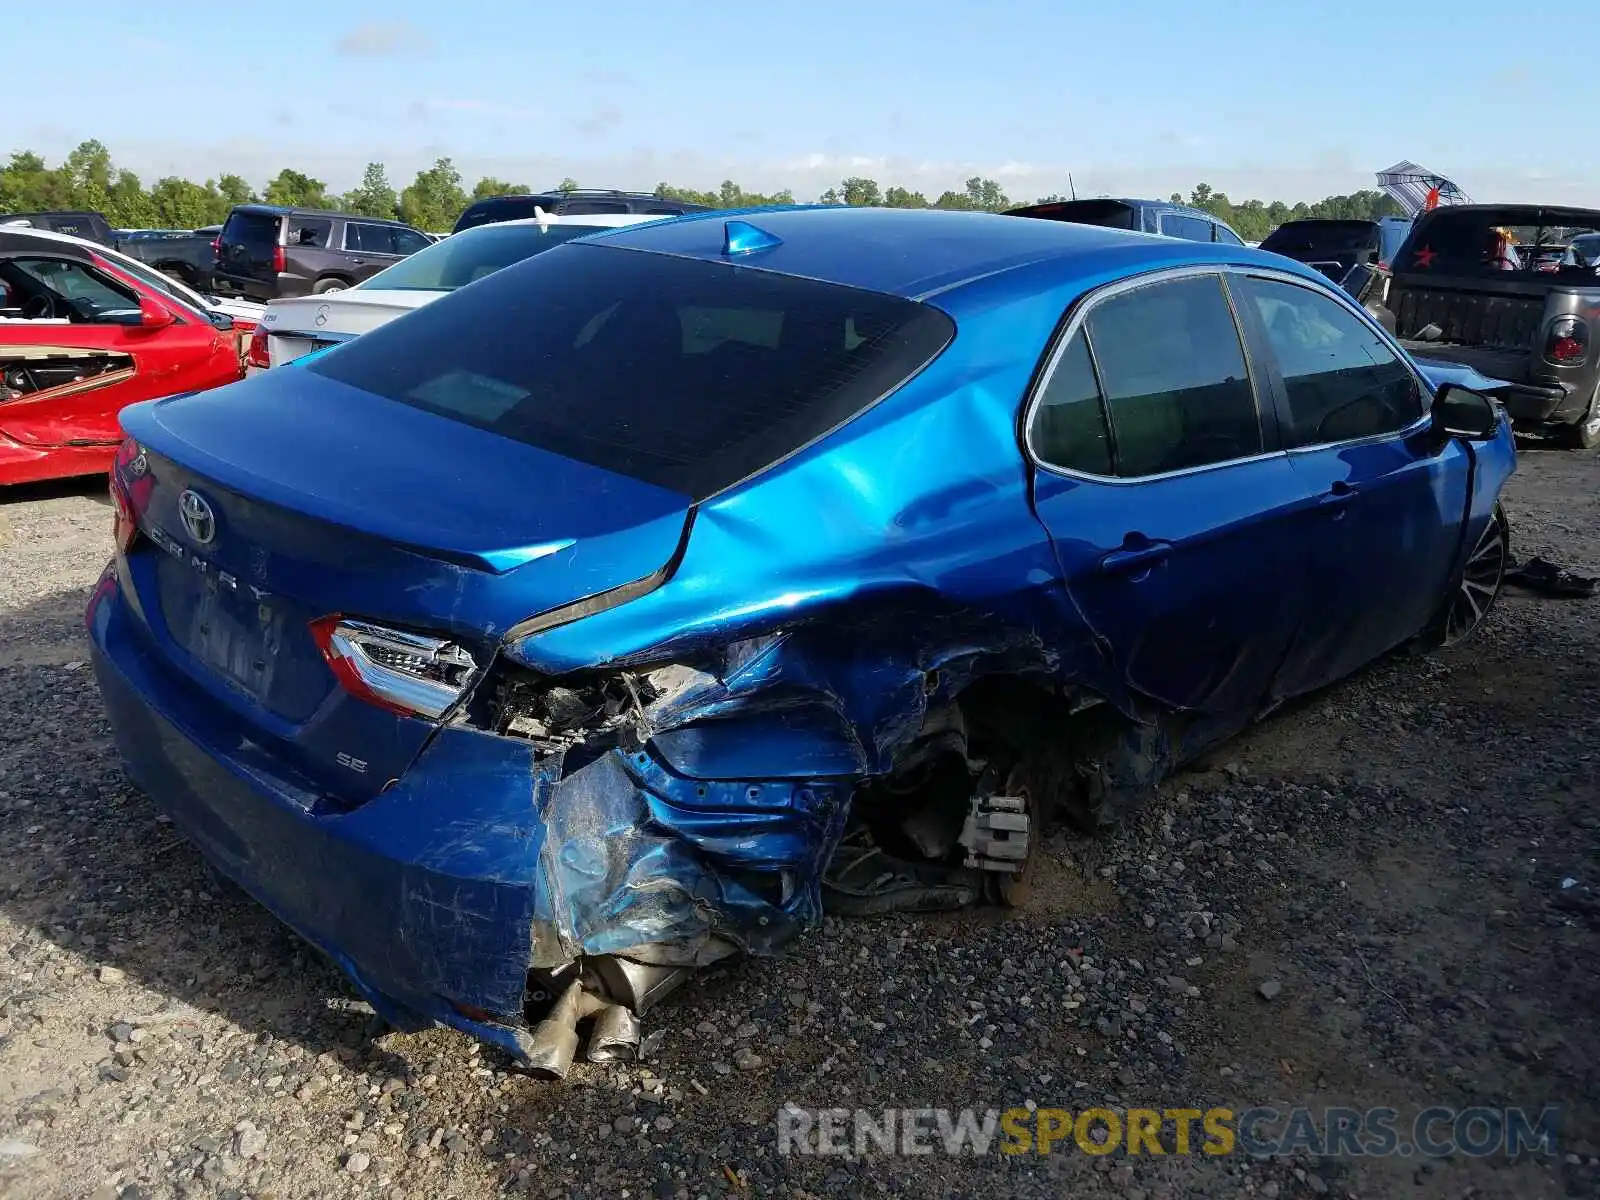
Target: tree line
x,y
88,179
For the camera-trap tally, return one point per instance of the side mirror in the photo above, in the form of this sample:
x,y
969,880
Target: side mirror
x,y
153,315
1463,413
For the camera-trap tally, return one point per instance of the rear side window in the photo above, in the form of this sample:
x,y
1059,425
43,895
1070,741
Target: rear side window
x,y
1227,236
1342,382
685,374
579,207
309,231
1172,374
409,241
1069,425
369,239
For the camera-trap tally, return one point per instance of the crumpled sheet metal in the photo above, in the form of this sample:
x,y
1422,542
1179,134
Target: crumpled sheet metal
x,y
657,854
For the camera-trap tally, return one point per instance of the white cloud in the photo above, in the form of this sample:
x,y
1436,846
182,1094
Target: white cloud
x,y
384,39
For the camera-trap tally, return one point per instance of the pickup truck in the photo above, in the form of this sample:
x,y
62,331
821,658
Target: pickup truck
x,y
1512,290
182,254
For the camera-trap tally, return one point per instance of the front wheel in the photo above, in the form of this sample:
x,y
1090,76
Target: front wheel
x,y
1477,588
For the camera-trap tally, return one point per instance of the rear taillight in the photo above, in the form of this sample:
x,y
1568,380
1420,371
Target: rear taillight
x,y
216,247
125,525
258,355
407,673
1567,344
280,259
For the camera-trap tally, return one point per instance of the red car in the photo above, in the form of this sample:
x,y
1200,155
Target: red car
x,y
81,337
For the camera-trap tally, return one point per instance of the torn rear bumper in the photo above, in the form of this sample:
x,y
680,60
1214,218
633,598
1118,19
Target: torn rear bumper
x,y
440,896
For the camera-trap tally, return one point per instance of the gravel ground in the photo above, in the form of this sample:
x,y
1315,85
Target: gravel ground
x,y
1385,862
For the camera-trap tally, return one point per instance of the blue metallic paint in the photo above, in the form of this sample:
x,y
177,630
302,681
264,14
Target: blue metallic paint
x,y
829,604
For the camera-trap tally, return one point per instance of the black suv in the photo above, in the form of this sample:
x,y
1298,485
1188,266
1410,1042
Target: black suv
x,y
266,251
493,209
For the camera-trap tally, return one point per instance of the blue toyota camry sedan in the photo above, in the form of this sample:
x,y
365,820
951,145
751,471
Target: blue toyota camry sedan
x,y
619,612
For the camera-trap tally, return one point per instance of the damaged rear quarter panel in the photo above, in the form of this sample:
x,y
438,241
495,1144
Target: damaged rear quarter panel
x,y
865,578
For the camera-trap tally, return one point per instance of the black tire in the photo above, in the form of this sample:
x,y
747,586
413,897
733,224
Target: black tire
x,y
324,286
1476,589
1584,434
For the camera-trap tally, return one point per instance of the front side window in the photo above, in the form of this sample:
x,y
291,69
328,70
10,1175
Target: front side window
x,y
1227,236
55,289
1172,371
1341,380
368,239
409,241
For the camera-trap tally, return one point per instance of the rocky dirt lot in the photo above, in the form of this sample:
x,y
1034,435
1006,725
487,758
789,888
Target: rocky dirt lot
x,y
1386,863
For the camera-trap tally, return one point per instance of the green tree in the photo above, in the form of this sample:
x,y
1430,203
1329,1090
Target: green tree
x,y
855,191
235,190
182,204
290,187
899,197
490,186
665,191
435,199
374,198
567,185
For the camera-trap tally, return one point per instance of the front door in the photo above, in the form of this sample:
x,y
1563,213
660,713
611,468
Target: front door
x,y
73,352
1167,500
1384,524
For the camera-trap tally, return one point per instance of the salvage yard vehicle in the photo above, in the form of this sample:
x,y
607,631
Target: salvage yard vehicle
x,y
1510,290
186,255
609,617
1355,254
83,333
1151,216
577,202
265,251
293,327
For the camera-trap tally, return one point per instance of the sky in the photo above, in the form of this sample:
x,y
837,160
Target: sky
x,y
1266,101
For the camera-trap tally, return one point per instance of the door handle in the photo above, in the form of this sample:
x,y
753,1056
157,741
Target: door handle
x,y
1340,494
1134,558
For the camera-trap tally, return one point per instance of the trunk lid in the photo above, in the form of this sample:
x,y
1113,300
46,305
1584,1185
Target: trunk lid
x,y
319,499
305,323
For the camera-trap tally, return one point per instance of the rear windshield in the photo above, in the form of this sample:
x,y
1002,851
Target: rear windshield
x,y
503,208
1530,242
1113,214
1306,240
256,230
464,257
686,374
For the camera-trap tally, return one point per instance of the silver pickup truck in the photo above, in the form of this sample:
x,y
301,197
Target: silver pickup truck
x,y
1512,290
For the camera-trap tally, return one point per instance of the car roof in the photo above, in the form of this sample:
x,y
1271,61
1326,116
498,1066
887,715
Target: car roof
x,y
279,210
916,253
25,237
596,220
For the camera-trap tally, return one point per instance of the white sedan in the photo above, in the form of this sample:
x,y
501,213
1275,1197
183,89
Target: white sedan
x,y
299,325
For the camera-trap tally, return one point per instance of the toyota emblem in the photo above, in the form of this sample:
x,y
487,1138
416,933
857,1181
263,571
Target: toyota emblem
x,y
321,317
198,520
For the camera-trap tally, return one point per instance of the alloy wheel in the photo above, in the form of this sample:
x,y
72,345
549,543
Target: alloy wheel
x,y
1480,581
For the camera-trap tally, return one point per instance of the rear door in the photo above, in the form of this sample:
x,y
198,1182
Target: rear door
x,y
1384,527
74,354
374,247
1168,502
247,263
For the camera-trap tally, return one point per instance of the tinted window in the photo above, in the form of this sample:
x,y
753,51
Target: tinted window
x,y
579,207
1305,240
1226,235
687,374
369,239
464,257
1342,380
409,241
1069,427
1194,229
309,231
258,231
1173,373
1113,214
1488,241
504,208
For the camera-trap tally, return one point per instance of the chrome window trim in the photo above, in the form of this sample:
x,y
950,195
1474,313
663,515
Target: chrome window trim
x,y
311,335
1168,274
